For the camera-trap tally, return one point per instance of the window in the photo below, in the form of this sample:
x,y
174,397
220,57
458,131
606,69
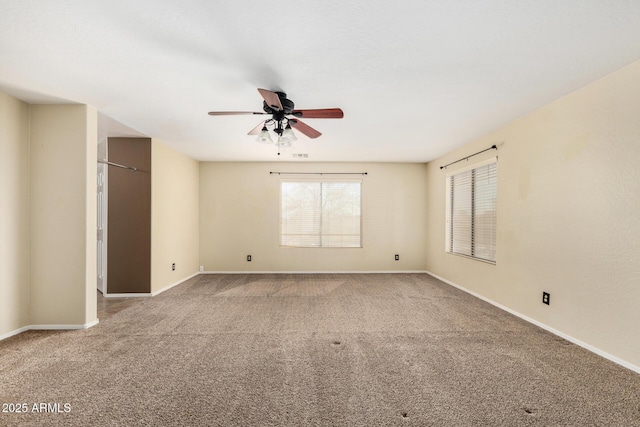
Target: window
x,y
320,214
471,211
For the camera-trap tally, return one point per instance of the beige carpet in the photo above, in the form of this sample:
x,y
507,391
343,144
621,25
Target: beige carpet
x,y
334,350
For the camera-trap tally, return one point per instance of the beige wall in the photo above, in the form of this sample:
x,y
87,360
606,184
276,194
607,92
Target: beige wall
x,y
14,214
568,203
239,217
63,214
91,221
174,216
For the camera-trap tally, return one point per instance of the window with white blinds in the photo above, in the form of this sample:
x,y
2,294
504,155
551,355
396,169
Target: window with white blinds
x,y
320,214
471,212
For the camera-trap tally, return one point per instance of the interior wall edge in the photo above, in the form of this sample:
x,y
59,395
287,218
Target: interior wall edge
x,y
15,274
48,328
316,272
14,332
128,295
166,288
63,327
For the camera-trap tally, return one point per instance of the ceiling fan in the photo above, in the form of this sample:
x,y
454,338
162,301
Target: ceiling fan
x,y
283,118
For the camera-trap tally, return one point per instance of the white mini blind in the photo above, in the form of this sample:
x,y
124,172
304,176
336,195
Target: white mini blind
x,y
320,214
461,218
471,212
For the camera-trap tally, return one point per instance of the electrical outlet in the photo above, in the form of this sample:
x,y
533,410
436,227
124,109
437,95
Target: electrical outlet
x,y
201,268
173,267
397,257
546,296
249,258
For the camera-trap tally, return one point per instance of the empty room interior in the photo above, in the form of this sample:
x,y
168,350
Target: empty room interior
x,y
362,213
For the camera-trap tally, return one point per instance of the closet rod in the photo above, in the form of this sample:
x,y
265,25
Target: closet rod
x,y
493,147
131,168
319,173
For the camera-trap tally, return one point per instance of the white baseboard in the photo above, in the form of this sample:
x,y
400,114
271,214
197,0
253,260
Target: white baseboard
x,y
62,327
548,328
48,328
128,295
152,294
12,333
319,272
166,288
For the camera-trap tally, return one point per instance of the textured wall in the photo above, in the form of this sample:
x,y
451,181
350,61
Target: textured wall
x,y
568,203
174,216
63,214
14,214
239,208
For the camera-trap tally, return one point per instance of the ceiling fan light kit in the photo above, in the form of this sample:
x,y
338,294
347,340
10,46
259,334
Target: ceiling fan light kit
x,y
281,123
264,136
288,135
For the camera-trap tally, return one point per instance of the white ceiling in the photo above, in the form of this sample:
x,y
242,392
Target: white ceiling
x,y
415,78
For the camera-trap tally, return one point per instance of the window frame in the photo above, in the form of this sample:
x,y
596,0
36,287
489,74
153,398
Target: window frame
x,y
449,210
320,181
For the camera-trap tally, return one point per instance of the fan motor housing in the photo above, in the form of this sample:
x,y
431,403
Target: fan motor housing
x,y
287,105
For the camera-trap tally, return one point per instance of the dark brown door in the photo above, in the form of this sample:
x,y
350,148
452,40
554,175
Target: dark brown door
x,y
129,217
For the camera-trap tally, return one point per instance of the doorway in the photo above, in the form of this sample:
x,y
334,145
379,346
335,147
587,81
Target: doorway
x,y
124,217
101,265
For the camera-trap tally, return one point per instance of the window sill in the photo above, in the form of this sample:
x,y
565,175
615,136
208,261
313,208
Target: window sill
x,y
486,261
320,247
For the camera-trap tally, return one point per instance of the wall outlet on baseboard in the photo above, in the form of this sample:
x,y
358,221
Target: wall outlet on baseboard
x,y
248,257
397,257
173,267
201,268
546,296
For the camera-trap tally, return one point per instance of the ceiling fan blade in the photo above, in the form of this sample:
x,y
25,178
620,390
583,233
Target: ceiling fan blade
x,y
304,128
271,98
232,113
323,113
256,130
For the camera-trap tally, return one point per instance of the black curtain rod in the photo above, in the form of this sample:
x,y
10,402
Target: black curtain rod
x,y
493,147
318,173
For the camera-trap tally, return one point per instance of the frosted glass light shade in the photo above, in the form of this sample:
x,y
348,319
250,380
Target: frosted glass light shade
x,y
264,137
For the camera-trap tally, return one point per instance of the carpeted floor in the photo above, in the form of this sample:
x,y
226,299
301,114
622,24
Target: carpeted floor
x,y
326,349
